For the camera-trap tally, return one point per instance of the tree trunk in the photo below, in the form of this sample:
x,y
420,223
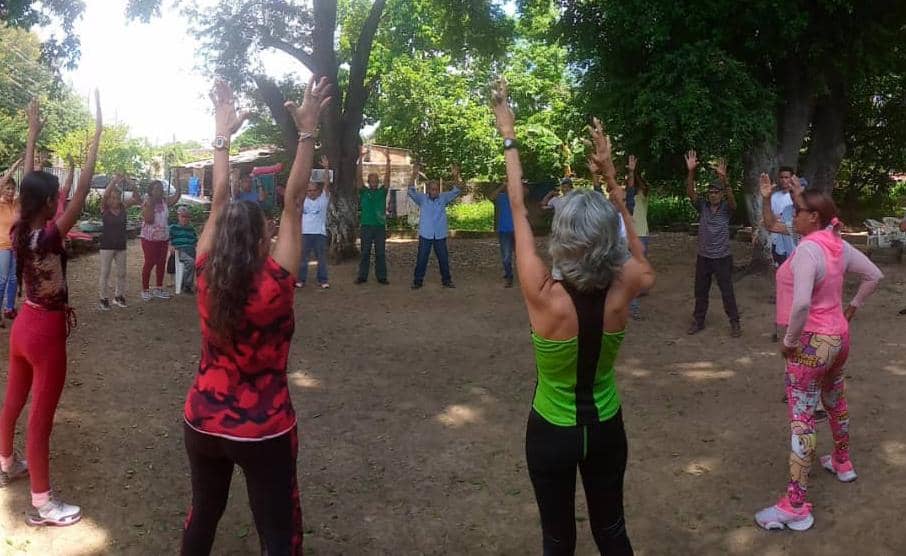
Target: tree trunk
x,y
759,158
794,116
828,145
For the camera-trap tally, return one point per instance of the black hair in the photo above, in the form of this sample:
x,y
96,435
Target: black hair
x,y
38,189
789,169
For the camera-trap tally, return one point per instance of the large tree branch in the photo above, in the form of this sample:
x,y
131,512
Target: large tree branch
x,y
303,57
273,98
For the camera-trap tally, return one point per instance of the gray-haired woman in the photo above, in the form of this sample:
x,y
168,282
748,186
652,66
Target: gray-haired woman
x,y
578,324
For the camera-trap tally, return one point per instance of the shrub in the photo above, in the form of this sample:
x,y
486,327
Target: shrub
x,y
476,217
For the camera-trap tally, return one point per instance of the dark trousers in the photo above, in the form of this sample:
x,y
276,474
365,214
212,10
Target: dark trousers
x,y
722,269
373,236
600,450
443,259
507,247
269,467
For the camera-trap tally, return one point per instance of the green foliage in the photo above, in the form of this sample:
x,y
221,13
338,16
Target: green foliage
x,y
119,153
478,217
667,210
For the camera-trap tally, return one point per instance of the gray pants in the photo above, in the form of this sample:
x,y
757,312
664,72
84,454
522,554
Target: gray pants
x,y
108,258
188,270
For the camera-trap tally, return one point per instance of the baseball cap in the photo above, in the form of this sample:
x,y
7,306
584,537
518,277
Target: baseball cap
x,y
715,186
566,181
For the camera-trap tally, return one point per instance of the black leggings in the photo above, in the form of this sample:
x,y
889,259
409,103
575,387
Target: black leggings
x,y
600,451
270,476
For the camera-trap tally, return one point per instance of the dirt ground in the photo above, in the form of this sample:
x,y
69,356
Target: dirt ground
x,y
412,407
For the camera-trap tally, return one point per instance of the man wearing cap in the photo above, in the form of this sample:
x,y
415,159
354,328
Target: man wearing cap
x,y
553,199
714,257
183,240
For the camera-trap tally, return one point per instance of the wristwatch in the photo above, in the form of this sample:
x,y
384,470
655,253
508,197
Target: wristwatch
x,y
510,143
220,143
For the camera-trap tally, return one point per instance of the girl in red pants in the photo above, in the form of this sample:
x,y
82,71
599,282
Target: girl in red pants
x,y
156,238
37,353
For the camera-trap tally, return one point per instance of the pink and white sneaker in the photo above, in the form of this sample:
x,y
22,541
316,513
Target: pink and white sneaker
x,y
844,471
783,514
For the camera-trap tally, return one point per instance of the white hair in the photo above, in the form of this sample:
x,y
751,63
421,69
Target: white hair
x,y
585,242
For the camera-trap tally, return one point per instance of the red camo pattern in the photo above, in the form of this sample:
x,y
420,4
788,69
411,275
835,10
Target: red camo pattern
x,y
241,389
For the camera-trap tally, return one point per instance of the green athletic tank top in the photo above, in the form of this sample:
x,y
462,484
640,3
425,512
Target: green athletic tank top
x,y
576,383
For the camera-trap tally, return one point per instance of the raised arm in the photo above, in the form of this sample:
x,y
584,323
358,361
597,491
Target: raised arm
x,y
387,173
35,125
768,217
533,272
547,198
691,165
288,252
360,168
173,199
226,123
325,163
630,171
71,215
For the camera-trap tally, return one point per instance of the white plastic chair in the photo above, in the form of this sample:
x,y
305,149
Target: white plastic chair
x,y
180,270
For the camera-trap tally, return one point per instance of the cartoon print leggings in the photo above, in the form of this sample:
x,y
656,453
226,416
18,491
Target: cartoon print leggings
x,y
815,370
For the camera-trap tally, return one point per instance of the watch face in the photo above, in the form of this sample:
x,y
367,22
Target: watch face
x,y
219,142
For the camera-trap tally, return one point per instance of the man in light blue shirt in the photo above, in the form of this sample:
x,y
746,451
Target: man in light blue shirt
x,y
432,226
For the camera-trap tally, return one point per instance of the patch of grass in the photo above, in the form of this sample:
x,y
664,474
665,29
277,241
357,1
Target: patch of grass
x,y
475,217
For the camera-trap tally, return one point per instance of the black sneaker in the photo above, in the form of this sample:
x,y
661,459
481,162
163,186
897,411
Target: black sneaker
x,y
104,305
695,328
384,281
508,283
416,286
735,330
903,312
360,281
450,285
120,301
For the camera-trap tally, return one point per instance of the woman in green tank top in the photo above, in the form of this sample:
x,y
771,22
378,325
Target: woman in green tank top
x,y
578,323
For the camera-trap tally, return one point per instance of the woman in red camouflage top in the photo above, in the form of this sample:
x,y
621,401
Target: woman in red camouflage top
x,y
238,410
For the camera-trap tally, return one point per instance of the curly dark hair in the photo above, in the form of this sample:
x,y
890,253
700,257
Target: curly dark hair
x,y
39,189
234,260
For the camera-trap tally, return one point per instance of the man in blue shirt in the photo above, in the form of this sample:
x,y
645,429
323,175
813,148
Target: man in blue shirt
x,y
246,192
505,232
432,226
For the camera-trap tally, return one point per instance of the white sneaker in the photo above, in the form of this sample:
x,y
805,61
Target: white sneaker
x,y
161,293
55,512
18,470
783,514
844,471
146,296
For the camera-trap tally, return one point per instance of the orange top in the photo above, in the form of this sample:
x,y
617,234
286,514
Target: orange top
x,y
9,213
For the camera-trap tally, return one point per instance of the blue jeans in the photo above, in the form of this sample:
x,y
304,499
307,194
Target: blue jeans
x,y
317,244
8,282
507,247
634,304
373,236
443,259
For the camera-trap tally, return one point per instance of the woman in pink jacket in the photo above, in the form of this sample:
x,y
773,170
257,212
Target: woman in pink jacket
x,y
816,346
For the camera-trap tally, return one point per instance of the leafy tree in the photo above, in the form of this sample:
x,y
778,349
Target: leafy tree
x,y
763,82
336,39
118,152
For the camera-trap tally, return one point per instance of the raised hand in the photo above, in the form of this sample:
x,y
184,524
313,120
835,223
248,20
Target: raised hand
x,y
325,163
796,186
765,185
457,177
691,161
317,97
416,169
603,150
503,114
35,121
617,195
227,119
593,166
631,164
720,167
98,116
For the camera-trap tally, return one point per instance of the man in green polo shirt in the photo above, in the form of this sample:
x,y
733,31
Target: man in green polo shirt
x,y
373,204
